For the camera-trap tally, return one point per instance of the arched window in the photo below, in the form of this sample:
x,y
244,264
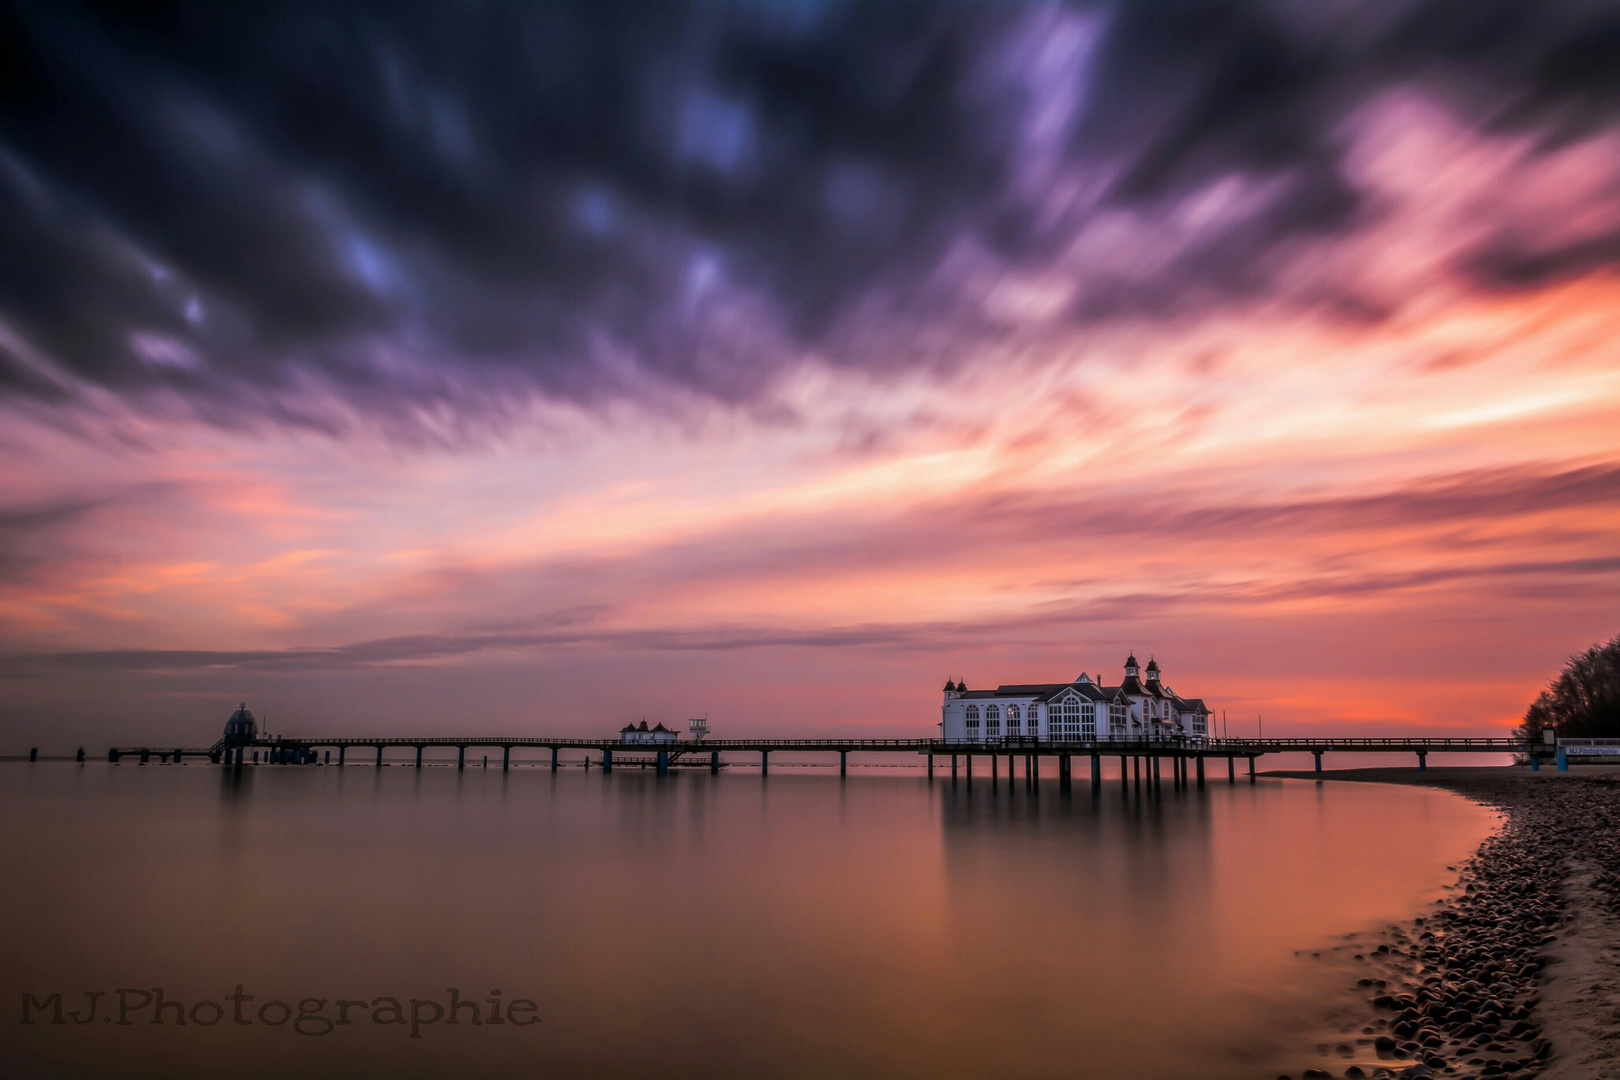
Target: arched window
x,y
1012,712
992,712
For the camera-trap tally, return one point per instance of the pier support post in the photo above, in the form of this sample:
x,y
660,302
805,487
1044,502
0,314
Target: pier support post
x,y
1317,754
1231,769
968,766
1200,768
418,757
1423,761
379,755
506,758
607,761
146,755
1155,770
714,761
1096,770
553,759
1251,768
843,764
80,758
930,766
995,769
1029,767
663,763
1136,769
33,753
764,762
461,757
953,768
343,752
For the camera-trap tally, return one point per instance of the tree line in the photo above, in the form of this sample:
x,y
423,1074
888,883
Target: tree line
x,y
1584,701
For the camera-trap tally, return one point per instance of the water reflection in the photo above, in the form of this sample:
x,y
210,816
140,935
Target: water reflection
x,y
704,925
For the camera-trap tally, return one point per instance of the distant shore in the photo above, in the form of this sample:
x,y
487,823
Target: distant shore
x,y
1517,973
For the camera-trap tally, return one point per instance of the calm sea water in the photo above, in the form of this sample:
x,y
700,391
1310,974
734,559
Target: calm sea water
x,y
731,925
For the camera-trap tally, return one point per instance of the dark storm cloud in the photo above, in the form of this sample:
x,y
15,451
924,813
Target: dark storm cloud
x,y
443,205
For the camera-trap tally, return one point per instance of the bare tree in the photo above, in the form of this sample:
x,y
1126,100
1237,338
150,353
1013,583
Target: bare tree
x,y
1584,701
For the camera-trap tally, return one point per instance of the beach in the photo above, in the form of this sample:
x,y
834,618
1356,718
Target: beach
x,y
1515,972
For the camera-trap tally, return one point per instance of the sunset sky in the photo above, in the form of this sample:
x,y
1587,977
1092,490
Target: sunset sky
x,y
531,368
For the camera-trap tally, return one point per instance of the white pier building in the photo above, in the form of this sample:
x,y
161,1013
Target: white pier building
x,y
1140,708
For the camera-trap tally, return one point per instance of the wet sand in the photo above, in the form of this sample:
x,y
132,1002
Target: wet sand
x,y
1517,972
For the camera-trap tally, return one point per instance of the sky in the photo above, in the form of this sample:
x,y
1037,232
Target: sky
x,y
530,368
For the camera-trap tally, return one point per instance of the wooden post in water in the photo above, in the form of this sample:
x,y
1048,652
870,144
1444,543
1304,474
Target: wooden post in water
x,y
764,762
995,767
461,757
930,765
554,759
506,758
1200,770
843,764
714,761
419,757
1231,769
1251,768
953,768
379,755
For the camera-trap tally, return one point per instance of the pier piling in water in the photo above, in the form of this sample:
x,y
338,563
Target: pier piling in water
x,y
843,764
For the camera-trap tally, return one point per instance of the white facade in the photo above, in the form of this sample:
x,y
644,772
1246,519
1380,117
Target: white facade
x,y
1138,709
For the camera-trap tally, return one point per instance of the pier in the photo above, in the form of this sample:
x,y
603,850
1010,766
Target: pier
x,y
1185,761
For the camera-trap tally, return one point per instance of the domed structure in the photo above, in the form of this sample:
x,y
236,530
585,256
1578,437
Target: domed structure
x,y
241,728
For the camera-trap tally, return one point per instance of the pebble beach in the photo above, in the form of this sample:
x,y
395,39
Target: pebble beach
x,y
1516,972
